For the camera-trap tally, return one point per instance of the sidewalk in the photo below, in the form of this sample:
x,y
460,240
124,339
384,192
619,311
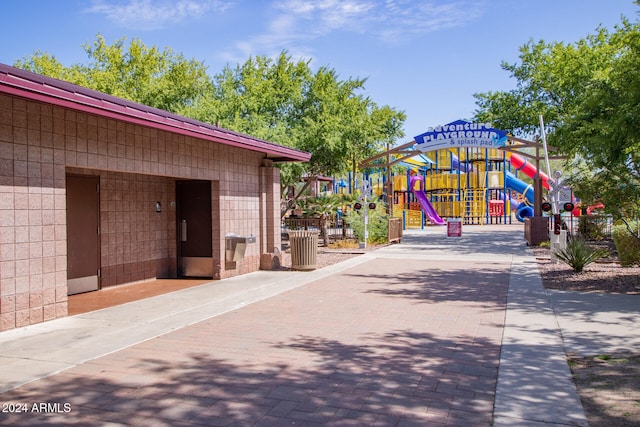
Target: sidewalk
x,y
434,331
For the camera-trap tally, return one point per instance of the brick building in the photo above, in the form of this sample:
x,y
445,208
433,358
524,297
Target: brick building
x,y
97,191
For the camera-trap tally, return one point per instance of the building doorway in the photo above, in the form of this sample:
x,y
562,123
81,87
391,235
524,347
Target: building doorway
x,y
195,246
83,233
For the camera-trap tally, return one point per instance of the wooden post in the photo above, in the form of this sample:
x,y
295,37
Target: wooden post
x,y
389,189
537,187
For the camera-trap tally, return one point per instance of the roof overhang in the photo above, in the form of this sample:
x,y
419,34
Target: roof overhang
x,y
36,87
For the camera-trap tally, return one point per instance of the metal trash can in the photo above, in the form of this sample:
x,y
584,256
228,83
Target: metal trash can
x,y
304,249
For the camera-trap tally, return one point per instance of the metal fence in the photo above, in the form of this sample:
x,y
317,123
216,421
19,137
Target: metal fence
x,y
336,228
591,227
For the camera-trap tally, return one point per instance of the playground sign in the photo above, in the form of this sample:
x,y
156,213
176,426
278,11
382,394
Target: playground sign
x,y
461,134
454,227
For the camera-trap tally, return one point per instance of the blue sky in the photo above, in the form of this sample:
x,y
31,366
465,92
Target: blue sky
x,y
426,57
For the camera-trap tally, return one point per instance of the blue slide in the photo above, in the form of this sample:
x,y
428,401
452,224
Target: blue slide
x,y
428,208
514,203
523,210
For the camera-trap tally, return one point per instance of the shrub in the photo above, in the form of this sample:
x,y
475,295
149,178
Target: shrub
x,y
578,254
592,227
343,244
627,244
378,224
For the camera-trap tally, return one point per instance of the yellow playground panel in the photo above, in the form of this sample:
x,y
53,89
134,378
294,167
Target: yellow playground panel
x,y
466,183
475,206
413,218
448,205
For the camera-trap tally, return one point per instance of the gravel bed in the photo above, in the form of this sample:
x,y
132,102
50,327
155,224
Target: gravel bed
x,y
602,276
325,256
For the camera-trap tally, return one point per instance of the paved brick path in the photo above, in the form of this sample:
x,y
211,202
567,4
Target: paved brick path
x,y
389,342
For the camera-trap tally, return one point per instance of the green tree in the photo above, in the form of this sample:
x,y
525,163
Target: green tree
x,y
340,127
161,79
604,131
258,97
286,102
47,65
551,80
333,119
380,134
588,93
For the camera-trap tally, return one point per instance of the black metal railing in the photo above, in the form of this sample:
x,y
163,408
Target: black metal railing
x,y
592,227
336,228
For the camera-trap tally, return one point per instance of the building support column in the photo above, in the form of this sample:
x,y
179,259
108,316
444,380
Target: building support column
x,y
270,239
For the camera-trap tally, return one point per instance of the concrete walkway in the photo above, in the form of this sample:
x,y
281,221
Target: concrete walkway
x,y
433,331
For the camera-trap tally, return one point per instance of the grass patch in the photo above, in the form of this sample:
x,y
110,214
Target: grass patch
x,y
344,244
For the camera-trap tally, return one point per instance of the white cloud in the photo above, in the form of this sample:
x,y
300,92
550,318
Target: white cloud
x,y
153,14
407,19
294,23
323,16
379,19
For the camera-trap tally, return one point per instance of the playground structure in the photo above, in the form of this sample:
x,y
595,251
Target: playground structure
x,y
455,183
468,173
461,170
479,186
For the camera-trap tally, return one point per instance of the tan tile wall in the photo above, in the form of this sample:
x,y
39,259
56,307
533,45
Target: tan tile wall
x,y
40,143
32,217
137,243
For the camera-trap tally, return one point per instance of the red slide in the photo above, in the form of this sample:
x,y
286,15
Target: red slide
x,y
521,164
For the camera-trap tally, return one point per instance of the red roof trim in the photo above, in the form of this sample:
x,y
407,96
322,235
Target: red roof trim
x,y
33,86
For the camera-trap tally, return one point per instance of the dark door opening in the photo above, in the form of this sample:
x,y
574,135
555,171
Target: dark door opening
x,y
83,238
195,246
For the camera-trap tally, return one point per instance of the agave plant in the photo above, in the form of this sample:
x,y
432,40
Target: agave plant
x,y
578,254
